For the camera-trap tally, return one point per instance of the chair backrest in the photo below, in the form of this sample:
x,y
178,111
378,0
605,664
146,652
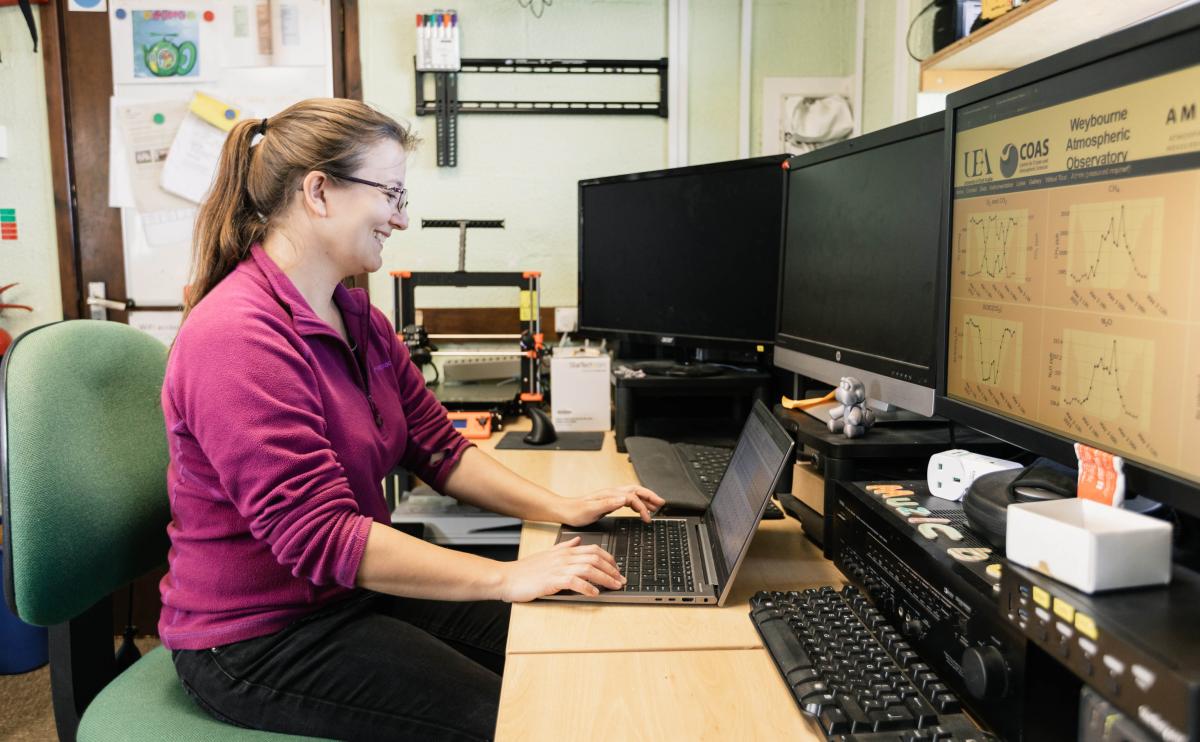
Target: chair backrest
x,y
83,465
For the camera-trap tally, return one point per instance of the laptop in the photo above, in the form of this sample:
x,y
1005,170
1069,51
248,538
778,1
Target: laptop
x,y
693,560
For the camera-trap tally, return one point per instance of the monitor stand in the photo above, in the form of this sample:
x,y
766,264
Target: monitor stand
x,y
892,415
688,369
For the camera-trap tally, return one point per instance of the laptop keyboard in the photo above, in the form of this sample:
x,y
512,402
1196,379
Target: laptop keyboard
x,y
853,672
654,556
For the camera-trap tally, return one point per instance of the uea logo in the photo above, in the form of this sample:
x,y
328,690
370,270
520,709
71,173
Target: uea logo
x,y
1011,155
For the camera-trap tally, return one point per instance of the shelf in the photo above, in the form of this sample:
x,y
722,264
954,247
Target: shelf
x,y
1034,31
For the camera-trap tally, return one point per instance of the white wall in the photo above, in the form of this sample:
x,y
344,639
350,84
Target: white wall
x,y
524,169
25,181
520,168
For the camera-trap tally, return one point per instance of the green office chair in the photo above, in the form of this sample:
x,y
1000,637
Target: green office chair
x,y
83,462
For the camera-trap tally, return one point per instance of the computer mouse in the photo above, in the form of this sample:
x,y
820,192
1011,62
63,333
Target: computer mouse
x,y
542,432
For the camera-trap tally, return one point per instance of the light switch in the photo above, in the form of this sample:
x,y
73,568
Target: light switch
x,y
3,141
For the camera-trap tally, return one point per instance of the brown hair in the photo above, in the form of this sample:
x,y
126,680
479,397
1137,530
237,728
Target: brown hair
x,y
254,183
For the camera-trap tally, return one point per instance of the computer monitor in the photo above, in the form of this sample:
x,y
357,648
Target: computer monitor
x,y
686,257
858,279
1073,247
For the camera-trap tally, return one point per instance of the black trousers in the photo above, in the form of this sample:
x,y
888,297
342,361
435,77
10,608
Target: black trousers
x,y
373,667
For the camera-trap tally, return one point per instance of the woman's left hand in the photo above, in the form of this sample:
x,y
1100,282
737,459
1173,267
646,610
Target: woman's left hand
x,y
591,508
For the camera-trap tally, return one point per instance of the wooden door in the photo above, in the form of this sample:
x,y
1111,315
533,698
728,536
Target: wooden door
x,y
78,65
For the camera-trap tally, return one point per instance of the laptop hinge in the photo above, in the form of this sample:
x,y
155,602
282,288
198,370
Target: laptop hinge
x,y
706,551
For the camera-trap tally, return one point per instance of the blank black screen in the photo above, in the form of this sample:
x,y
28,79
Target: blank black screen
x,y
688,253
861,253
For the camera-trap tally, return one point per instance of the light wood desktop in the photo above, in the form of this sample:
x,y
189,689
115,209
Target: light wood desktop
x,y
583,671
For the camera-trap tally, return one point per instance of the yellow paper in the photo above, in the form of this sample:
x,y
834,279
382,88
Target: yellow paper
x,y
214,111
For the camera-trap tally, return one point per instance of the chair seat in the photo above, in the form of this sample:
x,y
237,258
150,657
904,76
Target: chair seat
x,y
146,702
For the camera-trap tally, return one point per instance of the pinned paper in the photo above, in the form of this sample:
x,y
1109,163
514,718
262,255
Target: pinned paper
x,y
221,115
8,224
192,161
162,42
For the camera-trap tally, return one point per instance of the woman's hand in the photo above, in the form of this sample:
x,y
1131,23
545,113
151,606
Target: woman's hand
x,y
567,566
591,508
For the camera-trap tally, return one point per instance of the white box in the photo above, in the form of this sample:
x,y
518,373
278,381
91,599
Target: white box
x,y
580,390
1089,546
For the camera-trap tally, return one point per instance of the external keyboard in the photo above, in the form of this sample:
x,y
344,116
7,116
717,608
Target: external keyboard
x,y
686,475
654,557
852,671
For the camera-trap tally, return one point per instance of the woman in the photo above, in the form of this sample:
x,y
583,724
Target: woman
x,y
291,604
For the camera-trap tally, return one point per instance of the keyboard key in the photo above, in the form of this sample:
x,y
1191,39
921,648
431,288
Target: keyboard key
x,y
834,721
892,719
921,711
854,714
816,703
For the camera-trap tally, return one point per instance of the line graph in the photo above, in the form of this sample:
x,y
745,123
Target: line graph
x,y
992,352
1116,244
995,245
1108,377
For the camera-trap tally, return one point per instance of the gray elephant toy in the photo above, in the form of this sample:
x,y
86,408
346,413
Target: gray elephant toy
x,y
852,416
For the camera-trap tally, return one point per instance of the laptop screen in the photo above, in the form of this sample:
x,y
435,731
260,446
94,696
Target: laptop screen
x,y
753,469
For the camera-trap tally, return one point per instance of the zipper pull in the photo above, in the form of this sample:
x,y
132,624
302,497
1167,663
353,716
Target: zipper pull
x,y
375,411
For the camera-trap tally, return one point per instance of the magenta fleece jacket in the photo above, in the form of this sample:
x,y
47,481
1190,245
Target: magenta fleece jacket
x,y
280,437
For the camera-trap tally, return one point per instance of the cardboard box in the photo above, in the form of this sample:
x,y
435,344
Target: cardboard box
x,y
580,391
1089,546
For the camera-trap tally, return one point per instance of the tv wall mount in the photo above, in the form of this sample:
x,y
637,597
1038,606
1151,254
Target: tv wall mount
x,y
446,106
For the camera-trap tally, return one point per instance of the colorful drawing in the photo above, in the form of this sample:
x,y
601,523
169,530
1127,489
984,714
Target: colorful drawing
x,y
166,43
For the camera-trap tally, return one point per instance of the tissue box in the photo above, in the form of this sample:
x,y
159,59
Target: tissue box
x,y
1089,546
580,392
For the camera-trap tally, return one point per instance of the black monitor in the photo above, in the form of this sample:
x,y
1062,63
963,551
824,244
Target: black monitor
x,y
686,257
1073,248
859,273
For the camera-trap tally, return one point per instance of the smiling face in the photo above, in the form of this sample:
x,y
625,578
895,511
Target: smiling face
x,y
360,217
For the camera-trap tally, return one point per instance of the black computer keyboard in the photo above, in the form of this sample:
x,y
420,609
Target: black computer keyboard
x,y
705,465
654,556
687,474
852,671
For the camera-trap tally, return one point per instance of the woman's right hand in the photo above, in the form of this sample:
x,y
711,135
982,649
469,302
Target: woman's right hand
x,y
567,566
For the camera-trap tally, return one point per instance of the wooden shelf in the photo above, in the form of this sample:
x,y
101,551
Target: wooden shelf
x,y
1034,31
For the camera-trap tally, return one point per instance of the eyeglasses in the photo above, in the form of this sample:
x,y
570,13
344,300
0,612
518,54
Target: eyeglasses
x,y
397,196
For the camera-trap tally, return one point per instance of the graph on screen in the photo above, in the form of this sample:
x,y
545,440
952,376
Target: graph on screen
x,y
1108,377
996,245
991,349
1116,245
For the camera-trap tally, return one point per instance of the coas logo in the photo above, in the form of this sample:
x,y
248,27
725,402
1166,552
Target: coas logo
x,y
1012,155
1008,160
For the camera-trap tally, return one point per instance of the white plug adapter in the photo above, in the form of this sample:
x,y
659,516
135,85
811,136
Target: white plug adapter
x,y
951,472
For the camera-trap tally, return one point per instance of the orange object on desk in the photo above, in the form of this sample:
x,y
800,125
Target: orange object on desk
x,y
473,425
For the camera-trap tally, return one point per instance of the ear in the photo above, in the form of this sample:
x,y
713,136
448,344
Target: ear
x,y
312,191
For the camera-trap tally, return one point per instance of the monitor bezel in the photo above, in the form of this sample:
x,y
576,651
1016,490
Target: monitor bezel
x,y
885,378
1144,479
680,339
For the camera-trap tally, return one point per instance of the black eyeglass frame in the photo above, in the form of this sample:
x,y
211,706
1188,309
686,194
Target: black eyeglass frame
x,y
400,192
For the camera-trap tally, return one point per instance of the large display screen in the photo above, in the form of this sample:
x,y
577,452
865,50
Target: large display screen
x,y
1075,256
685,253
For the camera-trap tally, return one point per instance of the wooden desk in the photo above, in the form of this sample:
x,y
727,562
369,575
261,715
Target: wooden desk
x,y
630,672
780,558
730,694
